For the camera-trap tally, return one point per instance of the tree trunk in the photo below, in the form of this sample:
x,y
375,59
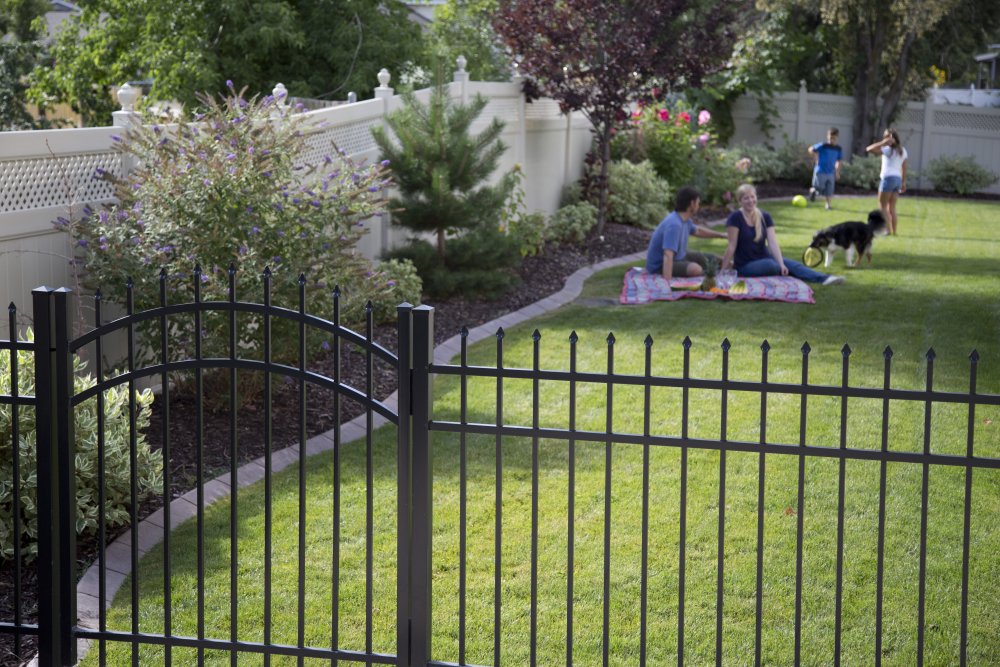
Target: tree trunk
x,y
604,144
440,240
891,99
870,43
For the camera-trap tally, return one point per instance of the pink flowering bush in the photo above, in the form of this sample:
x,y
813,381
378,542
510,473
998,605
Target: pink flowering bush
x,y
227,190
682,146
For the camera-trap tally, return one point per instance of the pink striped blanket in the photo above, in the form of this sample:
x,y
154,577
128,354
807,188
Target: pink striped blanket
x,y
641,287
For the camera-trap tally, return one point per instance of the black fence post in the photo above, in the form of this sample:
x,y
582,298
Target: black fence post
x,y
421,489
404,328
56,479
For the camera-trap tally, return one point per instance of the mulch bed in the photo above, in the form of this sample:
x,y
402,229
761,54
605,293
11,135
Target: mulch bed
x,y
539,276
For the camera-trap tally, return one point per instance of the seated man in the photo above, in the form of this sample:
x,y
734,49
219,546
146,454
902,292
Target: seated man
x,y
668,253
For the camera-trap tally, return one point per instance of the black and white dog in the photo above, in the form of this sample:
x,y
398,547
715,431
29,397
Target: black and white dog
x,y
854,238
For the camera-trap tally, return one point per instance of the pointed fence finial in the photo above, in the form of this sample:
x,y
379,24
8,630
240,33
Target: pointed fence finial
x,y
846,350
931,354
611,339
573,338
765,346
648,340
536,335
465,332
974,357
887,353
726,345
805,348
500,333
687,342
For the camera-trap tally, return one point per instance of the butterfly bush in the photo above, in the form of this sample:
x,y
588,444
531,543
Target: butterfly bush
x,y
683,147
229,191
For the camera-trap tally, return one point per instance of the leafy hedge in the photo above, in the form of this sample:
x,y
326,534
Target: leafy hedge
x,y
149,463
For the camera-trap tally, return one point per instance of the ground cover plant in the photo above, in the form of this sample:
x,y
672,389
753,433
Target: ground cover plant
x,y
929,287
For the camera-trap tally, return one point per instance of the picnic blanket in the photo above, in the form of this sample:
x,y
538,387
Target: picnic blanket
x,y
641,287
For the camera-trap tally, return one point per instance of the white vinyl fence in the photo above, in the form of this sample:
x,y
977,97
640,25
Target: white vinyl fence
x,y
49,174
928,129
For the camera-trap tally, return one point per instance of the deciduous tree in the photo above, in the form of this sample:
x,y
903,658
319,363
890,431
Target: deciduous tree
x,y
315,47
20,51
599,56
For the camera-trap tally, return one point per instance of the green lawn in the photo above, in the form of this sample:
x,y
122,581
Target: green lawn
x,y
936,285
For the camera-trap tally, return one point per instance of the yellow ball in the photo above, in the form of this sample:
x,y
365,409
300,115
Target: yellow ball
x,y
800,201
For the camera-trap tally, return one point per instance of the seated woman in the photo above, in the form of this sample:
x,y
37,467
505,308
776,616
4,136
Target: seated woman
x,y
753,248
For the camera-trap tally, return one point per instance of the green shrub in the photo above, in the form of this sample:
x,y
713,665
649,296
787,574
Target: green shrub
x,y
529,233
796,161
717,174
571,194
861,172
637,196
527,228
764,162
960,174
389,284
149,463
571,224
478,264
227,190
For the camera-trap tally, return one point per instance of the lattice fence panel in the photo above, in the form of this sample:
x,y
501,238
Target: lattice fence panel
x,y
786,106
979,122
56,181
911,117
352,138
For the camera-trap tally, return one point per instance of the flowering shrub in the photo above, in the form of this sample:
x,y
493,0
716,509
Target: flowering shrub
x,y
117,496
682,146
228,190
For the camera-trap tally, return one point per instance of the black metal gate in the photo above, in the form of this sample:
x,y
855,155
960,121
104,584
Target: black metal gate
x,y
55,400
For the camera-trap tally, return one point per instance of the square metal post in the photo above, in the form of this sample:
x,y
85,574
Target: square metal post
x,y
421,523
56,480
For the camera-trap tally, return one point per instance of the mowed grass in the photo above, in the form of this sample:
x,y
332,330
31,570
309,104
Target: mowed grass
x,y
936,285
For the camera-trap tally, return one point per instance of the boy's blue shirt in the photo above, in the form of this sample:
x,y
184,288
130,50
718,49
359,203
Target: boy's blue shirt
x,y
829,155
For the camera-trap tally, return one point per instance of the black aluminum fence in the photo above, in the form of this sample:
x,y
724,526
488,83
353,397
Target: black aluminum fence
x,y
55,400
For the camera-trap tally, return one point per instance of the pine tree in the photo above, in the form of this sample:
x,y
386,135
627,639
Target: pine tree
x,y
440,169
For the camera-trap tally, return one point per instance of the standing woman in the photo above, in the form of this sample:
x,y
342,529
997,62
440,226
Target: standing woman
x,y
893,174
753,248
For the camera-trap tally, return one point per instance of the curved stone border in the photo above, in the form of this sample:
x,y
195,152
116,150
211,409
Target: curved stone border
x,y
118,554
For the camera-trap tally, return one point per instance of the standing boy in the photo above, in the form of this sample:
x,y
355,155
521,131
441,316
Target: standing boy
x,y
826,171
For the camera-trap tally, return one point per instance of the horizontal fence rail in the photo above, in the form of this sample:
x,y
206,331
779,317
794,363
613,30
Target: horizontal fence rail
x,y
523,427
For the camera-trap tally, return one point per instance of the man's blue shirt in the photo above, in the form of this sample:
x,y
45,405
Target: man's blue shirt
x,y
671,234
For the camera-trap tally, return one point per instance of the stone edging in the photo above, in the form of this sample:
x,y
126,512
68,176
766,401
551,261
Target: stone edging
x,y
118,554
